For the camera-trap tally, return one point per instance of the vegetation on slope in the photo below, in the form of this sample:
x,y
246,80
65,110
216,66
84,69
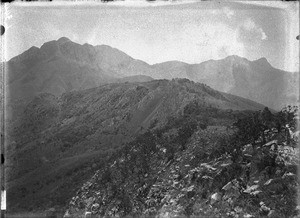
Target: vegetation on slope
x,y
193,166
58,143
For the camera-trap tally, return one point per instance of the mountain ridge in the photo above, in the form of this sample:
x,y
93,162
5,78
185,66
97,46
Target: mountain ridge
x,y
56,135
90,66
64,39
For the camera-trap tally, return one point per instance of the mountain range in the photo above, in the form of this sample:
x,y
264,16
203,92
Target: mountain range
x,y
73,107
62,65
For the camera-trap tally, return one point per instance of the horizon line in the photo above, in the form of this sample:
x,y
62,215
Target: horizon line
x,y
188,63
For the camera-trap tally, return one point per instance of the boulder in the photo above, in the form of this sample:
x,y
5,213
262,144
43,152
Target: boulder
x,y
215,197
88,214
264,210
270,143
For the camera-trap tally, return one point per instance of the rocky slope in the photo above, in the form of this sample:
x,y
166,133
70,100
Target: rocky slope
x,y
154,176
58,140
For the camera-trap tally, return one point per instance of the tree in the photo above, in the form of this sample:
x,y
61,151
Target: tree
x,y
287,120
187,129
267,117
266,122
249,129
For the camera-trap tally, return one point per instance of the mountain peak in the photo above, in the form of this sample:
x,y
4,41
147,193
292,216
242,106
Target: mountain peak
x,y
234,57
262,62
63,40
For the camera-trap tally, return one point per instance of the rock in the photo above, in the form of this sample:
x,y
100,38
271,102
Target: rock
x,y
248,149
248,216
238,209
206,165
88,214
232,190
67,214
250,189
269,144
89,201
295,135
255,192
228,186
264,210
215,197
95,207
268,182
289,174
232,185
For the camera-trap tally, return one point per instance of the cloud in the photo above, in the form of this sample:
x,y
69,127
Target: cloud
x,y
194,43
251,32
208,41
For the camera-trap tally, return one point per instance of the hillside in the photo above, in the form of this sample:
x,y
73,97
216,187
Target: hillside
x,y
136,78
58,142
62,65
185,170
256,80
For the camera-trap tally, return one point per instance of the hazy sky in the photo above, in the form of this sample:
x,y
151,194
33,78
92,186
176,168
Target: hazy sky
x,y
190,32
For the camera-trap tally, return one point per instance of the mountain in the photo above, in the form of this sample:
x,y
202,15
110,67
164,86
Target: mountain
x,y
57,67
62,65
57,143
255,80
76,109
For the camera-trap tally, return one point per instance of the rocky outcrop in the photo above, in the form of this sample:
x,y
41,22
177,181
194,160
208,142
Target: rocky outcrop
x,y
195,182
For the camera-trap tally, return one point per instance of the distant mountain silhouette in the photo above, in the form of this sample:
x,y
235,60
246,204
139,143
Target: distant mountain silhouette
x,y
61,66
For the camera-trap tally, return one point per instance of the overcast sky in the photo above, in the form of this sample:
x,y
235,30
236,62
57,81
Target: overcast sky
x,y
190,32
